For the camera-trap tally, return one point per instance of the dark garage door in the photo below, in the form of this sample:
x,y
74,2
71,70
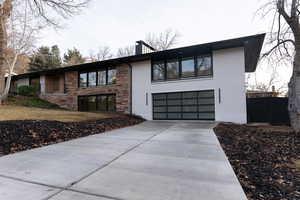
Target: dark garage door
x,y
195,105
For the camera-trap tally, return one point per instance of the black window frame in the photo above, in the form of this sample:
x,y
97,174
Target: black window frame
x,y
180,58
86,103
87,72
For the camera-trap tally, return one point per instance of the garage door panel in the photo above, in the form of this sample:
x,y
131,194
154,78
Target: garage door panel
x,y
174,115
194,105
204,108
160,103
206,116
160,109
174,108
190,116
189,108
206,94
174,102
206,101
160,116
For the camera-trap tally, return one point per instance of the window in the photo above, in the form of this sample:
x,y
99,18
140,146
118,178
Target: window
x,y
102,105
102,77
111,103
204,66
187,67
92,103
92,79
111,75
158,71
103,102
83,80
172,69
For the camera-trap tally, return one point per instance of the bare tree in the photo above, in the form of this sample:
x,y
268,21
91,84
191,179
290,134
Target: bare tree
x,y
48,12
20,34
164,40
284,45
126,51
103,53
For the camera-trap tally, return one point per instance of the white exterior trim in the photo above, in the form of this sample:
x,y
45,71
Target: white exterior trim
x,y
228,76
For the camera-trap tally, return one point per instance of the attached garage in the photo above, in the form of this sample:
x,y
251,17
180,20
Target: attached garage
x,y
192,105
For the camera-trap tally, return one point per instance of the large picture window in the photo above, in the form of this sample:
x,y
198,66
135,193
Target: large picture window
x,y
105,76
96,103
186,67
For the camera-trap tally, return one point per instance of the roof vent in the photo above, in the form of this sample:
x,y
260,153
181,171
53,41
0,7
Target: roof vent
x,y
142,47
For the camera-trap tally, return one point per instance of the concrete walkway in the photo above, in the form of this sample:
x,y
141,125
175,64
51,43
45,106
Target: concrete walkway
x,y
153,160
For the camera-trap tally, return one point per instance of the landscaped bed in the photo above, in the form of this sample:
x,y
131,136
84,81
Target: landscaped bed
x,y
265,159
22,135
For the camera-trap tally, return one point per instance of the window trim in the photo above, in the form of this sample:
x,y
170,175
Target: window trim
x,y
179,59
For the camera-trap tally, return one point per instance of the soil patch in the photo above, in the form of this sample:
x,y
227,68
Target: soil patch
x,y
22,135
264,158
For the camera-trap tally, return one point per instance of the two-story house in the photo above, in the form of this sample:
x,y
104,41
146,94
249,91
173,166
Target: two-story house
x,y
199,82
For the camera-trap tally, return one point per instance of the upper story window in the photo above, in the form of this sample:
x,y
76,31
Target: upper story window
x,y
105,76
102,77
158,71
112,75
187,67
172,69
83,80
204,65
92,79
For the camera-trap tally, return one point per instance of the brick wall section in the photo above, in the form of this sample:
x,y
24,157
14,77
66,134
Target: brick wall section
x,y
69,99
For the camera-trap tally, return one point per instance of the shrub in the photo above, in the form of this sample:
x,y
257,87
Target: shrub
x,y
26,90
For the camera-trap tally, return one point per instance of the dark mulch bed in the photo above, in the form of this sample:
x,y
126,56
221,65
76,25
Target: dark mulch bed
x,y
18,136
264,159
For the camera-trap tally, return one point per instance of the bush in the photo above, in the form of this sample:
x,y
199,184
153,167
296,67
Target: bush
x,y
26,90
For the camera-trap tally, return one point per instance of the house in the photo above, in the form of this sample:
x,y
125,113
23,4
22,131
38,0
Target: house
x,y
199,82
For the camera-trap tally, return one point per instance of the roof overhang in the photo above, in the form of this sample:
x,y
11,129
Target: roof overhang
x,y
252,47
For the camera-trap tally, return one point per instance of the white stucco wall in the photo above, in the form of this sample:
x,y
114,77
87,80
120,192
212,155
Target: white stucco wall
x,y
228,75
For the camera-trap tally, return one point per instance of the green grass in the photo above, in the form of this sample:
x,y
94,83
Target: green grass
x,y
34,102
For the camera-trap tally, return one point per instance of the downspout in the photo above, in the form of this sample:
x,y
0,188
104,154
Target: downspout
x,y
130,98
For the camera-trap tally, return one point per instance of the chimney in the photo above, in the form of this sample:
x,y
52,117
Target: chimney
x,y
142,47
273,88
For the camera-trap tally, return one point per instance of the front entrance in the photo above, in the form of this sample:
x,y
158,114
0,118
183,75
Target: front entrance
x,y
194,105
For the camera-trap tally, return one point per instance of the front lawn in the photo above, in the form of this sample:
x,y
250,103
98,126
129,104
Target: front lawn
x,y
12,112
23,128
266,159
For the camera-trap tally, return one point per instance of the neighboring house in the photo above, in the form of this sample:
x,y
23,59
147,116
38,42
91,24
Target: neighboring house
x,y
200,82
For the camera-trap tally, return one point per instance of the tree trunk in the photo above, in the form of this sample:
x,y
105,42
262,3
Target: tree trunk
x,y
294,91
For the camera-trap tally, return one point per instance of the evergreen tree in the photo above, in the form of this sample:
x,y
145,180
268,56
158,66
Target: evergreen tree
x,y
73,57
45,58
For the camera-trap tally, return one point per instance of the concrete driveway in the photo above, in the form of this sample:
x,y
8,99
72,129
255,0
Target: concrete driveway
x,y
154,160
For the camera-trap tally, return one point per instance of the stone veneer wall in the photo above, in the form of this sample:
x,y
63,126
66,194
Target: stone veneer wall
x,y
69,99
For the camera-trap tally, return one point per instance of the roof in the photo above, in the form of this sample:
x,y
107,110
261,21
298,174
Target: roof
x,y
252,44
